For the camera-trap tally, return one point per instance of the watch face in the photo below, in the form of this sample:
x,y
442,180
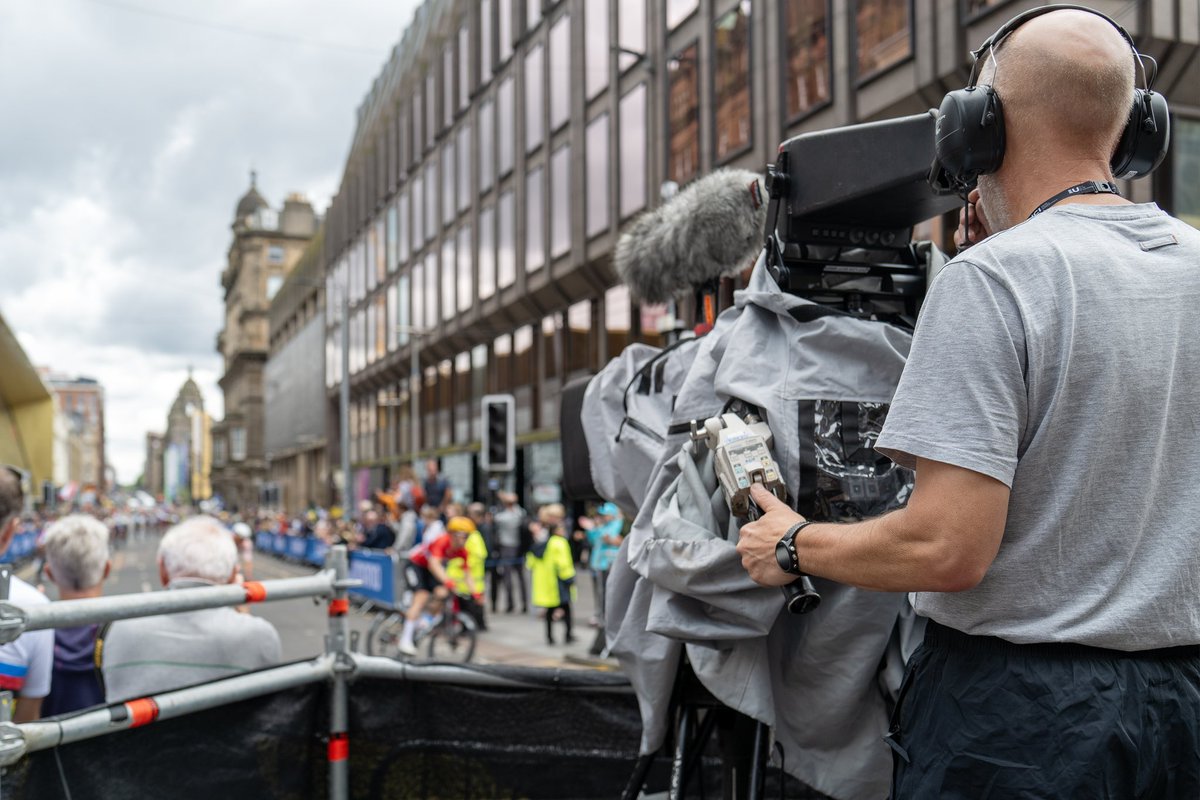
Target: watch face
x,y
783,556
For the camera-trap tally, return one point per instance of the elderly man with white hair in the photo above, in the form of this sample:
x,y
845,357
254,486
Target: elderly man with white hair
x,y
155,654
77,562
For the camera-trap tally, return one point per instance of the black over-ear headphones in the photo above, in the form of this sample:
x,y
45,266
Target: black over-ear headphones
x,y
969,138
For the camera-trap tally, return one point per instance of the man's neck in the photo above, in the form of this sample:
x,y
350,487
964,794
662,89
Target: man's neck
x,y
80,594
1028,189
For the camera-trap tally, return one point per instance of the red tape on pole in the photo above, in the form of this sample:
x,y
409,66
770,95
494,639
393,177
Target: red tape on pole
x,y
338,607
141,712
255,592
339,747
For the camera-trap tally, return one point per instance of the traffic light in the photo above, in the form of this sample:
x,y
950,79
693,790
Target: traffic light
x,y
499,429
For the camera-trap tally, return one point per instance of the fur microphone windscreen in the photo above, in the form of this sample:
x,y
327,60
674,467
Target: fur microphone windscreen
x,y
714,227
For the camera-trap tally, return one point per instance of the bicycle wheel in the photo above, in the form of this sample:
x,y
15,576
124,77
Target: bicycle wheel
x,y
383,639
453,639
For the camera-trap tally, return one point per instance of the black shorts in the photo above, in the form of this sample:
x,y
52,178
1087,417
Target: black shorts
x,y
419,578
981,717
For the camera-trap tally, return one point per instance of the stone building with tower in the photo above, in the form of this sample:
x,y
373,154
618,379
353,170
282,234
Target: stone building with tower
x,y
266,244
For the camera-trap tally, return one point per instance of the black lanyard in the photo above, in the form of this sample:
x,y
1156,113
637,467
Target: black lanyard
x,y
1087,187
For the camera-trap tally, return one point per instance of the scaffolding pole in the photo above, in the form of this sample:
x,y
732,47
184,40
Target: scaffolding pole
x,y
15,620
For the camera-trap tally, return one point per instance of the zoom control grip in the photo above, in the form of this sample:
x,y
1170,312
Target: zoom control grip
x,y
801,596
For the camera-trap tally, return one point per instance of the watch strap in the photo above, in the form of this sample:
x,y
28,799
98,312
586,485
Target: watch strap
x,y
789,542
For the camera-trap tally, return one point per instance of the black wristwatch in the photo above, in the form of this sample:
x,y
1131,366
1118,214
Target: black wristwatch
x,y
785,549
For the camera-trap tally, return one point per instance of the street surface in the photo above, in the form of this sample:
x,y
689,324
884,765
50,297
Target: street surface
x,y
515,639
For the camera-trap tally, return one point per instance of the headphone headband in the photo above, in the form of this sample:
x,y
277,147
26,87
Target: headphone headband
x,y
1020,19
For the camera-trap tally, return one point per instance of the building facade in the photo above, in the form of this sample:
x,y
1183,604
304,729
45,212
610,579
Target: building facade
x,y
506,142
298,471
266,245
27,416
152,471
79,433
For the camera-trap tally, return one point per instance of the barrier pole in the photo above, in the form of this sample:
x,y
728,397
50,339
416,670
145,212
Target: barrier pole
x,y
15,620
30,737
337,650
380,667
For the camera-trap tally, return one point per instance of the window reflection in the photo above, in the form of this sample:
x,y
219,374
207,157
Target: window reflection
x,y
560,201
597,175
560,72
431,206
485,41
502,364
418,296
884,34
524,375
552,353
581,338
487,253
464,268
731,80
807,31
631,31
633,150
1185,166
464,167
504,30
448,86
684,115
506,249
449,182
595,46
533,98
462,398
535,246
505,122
487,145
431,288
464,67
618,319
679,10
449,279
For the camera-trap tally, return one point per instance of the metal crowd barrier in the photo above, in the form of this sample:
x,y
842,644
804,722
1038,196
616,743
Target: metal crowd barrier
x,y
337,665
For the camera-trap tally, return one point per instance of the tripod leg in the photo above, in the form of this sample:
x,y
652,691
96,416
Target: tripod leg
x,y
678,773
758,764
637,781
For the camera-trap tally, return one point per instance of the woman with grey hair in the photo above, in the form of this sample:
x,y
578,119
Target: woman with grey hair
x,y
77,562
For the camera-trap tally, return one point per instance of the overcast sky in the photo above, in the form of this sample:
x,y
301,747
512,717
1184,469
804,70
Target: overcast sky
x,y
127,132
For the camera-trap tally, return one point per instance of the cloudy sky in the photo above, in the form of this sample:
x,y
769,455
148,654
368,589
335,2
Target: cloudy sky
x,y
127,132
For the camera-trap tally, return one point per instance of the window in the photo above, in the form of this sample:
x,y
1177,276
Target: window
x,y
533,98
448,86
418,215
418,296
392,322
580,338
533,14
274,254
462,398
431,119
632,155
485,41
237,444
487,145
524,376
465,281
551,357
218,452
506,250
535,245
464,167
505,125
487,253
431,207
381,323
404,319
560,72
731,81
504,29
683,123
402,227
884,34
372,249
1185,166
393,244
595,47
448,182
380,251
631,31
502,357
431,288
597,175
274,283
975,6
560,201
679,10
806,28
618,319
449,277
464,67
479,362
418,125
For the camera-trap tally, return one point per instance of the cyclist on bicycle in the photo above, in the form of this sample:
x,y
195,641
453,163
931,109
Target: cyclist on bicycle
x,y
427,575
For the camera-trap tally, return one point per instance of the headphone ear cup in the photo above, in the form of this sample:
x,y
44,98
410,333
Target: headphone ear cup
x,y
1143,143
969,134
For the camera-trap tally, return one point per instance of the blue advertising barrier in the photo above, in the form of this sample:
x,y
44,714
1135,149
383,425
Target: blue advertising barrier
x,y
279,546
377,572
22,546
297,547
263,541
315,552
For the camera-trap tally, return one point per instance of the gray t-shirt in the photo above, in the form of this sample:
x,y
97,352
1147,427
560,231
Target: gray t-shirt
x,y
1062,357
155,654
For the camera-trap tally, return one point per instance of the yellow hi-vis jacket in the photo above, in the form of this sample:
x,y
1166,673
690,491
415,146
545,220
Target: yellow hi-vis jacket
x,y
552,568
476,556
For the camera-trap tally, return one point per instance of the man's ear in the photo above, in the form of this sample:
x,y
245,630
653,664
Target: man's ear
x,y
107,570
10,530
162,573
50,573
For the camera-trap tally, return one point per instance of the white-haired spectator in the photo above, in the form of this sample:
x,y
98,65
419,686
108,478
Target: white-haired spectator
x,y
155,654
77,562
25,664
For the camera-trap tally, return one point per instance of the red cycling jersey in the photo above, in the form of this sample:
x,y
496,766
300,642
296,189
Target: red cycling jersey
x,y
442,548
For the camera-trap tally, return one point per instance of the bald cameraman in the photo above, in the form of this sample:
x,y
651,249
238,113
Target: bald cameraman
x,y
1050,409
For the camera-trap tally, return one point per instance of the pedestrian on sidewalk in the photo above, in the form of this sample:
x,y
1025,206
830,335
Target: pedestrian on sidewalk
x,y
509,520
553,576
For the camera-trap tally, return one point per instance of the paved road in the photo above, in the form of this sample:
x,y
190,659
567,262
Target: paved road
x,y
517,639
